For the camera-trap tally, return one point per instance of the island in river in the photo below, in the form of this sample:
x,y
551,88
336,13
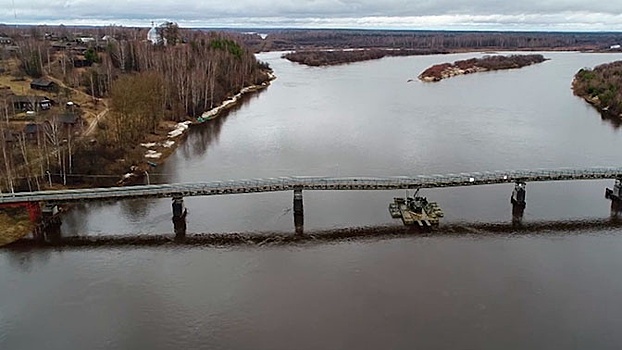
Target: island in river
x,y
601,87
442,71
316,58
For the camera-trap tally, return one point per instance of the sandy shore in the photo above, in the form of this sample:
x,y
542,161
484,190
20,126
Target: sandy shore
x,y
164,144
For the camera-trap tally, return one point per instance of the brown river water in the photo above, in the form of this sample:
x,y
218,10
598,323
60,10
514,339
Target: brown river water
x,y
474,285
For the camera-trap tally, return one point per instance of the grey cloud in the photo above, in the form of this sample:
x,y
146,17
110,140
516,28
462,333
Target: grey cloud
x,y
499,13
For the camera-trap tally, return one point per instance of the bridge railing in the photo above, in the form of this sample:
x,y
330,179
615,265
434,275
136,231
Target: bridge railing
x,y
315,183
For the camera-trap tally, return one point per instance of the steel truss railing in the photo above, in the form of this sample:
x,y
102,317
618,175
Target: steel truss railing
x,y
312,183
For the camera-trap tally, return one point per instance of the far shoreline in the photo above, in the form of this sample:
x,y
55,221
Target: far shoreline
x,y
326,61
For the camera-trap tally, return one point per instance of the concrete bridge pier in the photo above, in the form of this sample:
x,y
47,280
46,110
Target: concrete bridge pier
x,y
518,194
179,217
299,217
616,208
615,196
48,225
517,214
518,202
615,193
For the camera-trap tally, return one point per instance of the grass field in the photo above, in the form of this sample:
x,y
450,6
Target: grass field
x,y
14,224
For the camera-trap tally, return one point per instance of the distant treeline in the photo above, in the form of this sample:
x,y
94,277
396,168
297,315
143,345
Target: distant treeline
x,y
601,86
334,57
296,39
472,65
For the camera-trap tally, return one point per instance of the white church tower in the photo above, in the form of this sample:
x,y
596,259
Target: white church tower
x,y
153,36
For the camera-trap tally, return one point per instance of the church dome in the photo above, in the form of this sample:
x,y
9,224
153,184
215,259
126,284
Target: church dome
x,y
153,36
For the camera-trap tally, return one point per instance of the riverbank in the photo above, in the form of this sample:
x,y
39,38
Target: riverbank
x,y
161,144
600,87
14,225
442,71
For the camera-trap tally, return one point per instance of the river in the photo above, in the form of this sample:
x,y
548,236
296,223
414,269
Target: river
x,y
546,289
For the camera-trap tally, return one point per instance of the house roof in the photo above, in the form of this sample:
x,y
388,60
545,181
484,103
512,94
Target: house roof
x,y
29,99
42,82
9,136
20,99
32,128
67,118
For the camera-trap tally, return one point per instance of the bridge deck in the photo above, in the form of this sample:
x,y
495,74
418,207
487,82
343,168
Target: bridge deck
x,y
312,183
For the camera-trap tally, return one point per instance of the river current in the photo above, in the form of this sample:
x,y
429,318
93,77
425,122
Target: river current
x,y
545,289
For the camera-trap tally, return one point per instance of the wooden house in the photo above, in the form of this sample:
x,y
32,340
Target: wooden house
x,y
30,103
32,131
69,120
4,40
43,84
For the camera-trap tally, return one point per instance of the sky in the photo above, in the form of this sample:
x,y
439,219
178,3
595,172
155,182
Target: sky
x,y
515,15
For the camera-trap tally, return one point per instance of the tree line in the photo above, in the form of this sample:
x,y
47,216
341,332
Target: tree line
x,y
299,39
601,86
335,57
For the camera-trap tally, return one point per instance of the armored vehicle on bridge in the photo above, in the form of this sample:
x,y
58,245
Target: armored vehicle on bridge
x,y
416,211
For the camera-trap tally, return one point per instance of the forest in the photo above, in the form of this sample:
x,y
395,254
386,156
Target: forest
x,y
334,57
601,87
112,89
453,41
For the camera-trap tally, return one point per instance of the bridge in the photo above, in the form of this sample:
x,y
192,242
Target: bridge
x,y
311,183
300,183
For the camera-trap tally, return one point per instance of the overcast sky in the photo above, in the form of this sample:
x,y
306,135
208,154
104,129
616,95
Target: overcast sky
x,y
565,15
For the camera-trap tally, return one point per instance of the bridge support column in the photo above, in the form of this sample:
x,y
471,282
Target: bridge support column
x,y
518,194
615,196
179,217
518,202
517,214
48,224
616,208
615,193
299,217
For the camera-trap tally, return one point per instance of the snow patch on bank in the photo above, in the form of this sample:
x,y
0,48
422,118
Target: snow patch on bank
x,y
233,100
179,129
153,154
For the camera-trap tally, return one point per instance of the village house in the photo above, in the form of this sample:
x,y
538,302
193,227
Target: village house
x,y
11,49
69,120
85,39
9,136
59,46
43,84
81,61
33,131
30,103
5,92
69,46
4,40
51,37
